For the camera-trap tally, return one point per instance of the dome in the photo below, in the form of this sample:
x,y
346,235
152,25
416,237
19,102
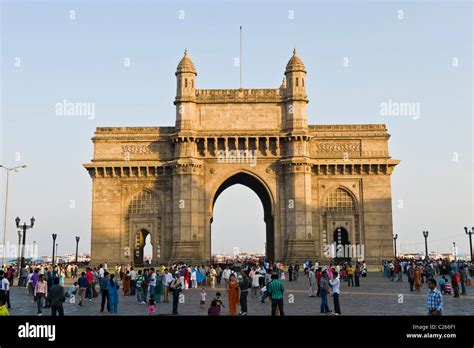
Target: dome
x,y
186,65
295,64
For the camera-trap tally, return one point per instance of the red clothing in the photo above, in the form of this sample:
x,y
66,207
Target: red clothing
x,y
90,277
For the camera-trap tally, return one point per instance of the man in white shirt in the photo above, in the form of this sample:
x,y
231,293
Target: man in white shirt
x,y
226,276
336,284
166,284
133,281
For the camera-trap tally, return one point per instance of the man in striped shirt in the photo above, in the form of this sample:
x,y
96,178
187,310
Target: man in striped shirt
x,y
434,300
276,289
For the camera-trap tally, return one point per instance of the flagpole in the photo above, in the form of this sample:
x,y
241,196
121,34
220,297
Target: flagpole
x,y
240,62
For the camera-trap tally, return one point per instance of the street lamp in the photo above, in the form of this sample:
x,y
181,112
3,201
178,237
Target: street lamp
x,y
8,170
24,227
395,237
425,234
470,239
54,243
77,246
19,252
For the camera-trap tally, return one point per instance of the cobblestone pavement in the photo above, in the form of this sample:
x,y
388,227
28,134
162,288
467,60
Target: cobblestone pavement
x,y
376,296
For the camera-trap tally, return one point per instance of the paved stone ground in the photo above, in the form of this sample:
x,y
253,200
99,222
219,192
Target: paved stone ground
x,y
376,296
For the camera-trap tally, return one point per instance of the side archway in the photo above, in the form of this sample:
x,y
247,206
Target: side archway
x,y
143,219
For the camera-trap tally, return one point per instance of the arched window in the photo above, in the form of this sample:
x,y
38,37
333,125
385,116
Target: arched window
x,y
340,201
143,203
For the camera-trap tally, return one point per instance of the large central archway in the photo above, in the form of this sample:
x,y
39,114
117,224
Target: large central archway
x,y
258,186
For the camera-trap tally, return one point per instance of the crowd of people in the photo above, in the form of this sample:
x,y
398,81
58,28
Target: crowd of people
x,y
452,278
263,280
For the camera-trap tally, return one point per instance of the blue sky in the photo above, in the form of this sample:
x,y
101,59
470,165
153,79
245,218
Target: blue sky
x,y
82,59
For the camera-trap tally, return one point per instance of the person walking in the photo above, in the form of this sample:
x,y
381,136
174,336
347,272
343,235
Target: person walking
x,y
139,287
324,292
312,282
434,300
5,288
275,290
357,275
40,293
256,284
166,285
350,275
152,283
90,278
175,287
411,275
113,294
335,285
82,282
244,291
56,298
104,291
133,283
226,276
233,295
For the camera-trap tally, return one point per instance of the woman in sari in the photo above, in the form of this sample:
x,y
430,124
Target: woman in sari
x,y
113,294
233,294
418,283
126,284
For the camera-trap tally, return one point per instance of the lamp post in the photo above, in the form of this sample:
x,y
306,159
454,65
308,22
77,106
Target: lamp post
x,y
425,234
19,252
54,244
77,246
395,237
25,227
470,239
8,170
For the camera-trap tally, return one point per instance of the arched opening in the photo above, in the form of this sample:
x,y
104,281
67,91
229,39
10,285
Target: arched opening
x,y
241,204
143,223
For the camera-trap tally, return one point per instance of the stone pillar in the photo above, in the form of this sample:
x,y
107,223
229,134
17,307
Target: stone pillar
x,y
299,241
188,205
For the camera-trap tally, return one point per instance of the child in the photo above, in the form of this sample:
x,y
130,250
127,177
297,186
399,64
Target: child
x,y
151,306
214,310
203,298
218,300
442,285
447,288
